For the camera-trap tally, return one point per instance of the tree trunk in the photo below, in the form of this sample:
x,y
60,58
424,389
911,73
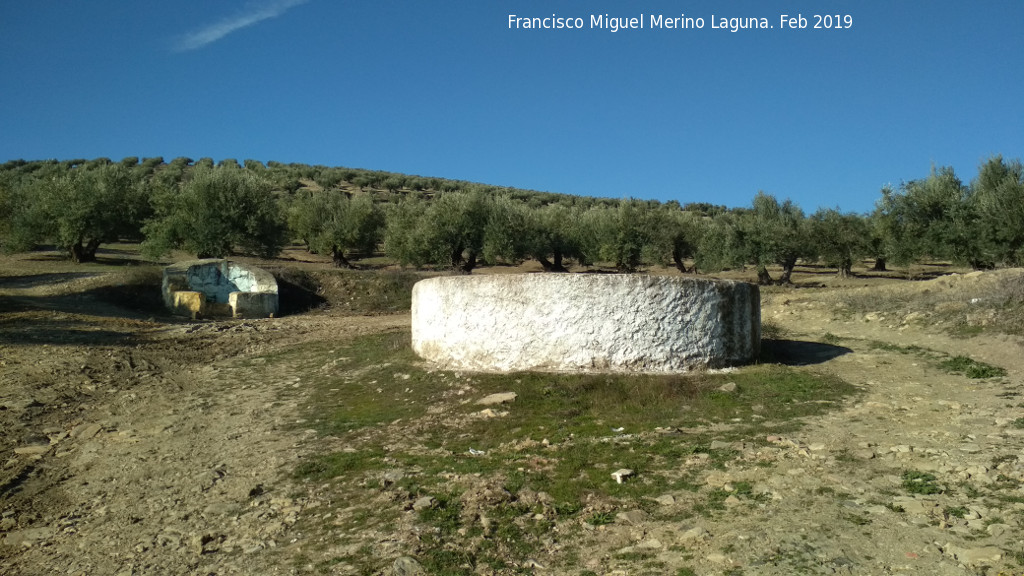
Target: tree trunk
x,y
90,249
845,269
787,271
550,266
880,265
677,259
558,266
763,277
86,253
470,263
456,257
340,261
76,250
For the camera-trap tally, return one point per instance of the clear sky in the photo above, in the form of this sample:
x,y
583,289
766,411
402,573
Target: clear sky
x,y
825,117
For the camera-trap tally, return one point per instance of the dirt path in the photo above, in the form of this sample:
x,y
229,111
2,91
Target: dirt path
x,y
837,488
141,447
137,447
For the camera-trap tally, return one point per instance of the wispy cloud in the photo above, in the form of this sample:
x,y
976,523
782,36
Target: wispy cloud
x,y
253,13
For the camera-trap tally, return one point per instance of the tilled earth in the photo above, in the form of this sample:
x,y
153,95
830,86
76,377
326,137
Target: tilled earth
x,y
133,445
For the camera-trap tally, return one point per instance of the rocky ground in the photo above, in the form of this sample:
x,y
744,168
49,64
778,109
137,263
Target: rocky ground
x,y
134,444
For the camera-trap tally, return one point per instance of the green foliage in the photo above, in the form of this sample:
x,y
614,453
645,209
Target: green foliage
x,y
461,224
774,233
331,465
78,209
930,218
841,239
925,483
332,223
214,213
507,232
555,233
676,235
997,198
623,235
254,165
450,230
955,511
971,368
719,244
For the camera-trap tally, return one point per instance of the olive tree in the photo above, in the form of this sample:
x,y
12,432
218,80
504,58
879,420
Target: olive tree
x,y
676,234
840,238
333,223
78,209
933,218
623,235
554,234
719,245
14,236
214,213
774,233
997,196
448,230
507,232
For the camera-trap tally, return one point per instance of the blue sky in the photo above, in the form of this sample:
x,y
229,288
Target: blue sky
x,y
825,117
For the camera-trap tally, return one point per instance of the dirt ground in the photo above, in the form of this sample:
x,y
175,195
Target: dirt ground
x,y
133,443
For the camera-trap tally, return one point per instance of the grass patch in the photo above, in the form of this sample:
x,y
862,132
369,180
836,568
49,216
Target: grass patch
x,y
955,511
916,482
770,330
914,350
951,364
334,464
563,436
971,368
593,424
601,518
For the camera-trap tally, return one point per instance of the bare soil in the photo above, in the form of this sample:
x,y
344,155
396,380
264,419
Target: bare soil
x,y
136,443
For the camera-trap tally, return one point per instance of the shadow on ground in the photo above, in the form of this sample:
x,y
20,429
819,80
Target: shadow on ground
x,y
36,280
799,353
61,329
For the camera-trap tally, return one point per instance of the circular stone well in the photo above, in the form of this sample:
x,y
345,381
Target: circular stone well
x,y
585,322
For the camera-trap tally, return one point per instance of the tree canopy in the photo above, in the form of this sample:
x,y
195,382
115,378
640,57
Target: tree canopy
x,y
218,208
216,212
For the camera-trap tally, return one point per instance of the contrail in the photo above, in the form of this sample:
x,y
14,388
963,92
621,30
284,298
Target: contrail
x,y
255,13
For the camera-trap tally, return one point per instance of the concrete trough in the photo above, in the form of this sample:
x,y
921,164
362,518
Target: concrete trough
x,y
586,322
216,287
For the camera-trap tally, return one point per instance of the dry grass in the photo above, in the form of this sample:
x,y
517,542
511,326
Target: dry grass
x,y
964,304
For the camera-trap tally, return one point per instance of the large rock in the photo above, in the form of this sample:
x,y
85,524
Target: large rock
x,y
585,322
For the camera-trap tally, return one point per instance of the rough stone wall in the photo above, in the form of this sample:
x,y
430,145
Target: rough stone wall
x,y
585,322
217,280
252,304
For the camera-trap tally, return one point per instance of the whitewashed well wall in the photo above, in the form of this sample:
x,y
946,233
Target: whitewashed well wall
x,y
585,322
